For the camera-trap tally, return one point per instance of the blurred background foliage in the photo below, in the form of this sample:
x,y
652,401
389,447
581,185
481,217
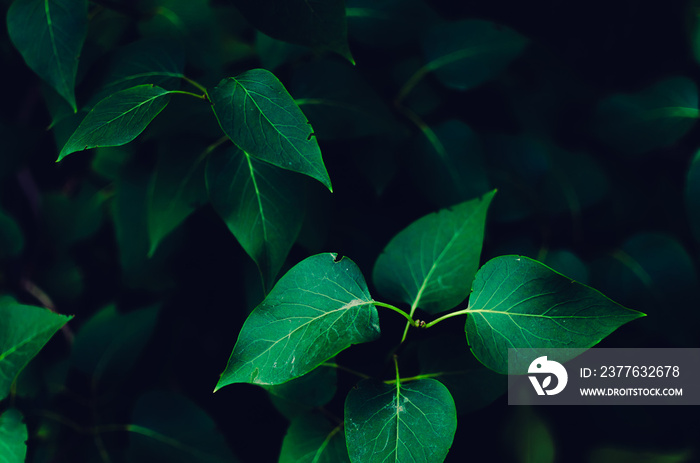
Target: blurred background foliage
x,y
584,116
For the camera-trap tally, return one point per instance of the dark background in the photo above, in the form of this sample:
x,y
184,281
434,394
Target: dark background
x,y
581,53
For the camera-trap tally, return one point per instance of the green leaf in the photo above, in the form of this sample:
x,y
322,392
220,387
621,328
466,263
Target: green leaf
x,y
13,437
11,237
653,118
117,119
109,344
316,24
261,118
415,421
430,264
24,330
176,190
170,427
517,302
312,438
304,393
317,309
465,54
50,34
147,61
261,205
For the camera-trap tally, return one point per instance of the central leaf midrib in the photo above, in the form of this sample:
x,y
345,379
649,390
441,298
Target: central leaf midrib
x,y
347,306
49,26
99,127
437,261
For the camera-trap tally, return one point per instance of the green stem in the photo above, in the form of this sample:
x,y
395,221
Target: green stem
x,y
408,317
414,378
345,369
182,92
195,84
396,367
410,84
449,315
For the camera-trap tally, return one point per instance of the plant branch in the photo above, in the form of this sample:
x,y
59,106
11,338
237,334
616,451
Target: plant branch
x,y
408,317
449,315
182,92
195,84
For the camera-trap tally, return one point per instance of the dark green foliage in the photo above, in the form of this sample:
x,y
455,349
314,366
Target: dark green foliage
x,y
314,189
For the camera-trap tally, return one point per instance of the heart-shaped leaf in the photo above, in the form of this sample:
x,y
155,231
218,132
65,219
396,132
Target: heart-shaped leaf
x,y
415,422
117,119
517,302
24,330
261,118
261,205
317,309
50,34
13,437
430,264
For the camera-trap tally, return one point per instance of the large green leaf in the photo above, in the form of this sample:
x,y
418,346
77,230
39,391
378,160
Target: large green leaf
x,y
170,427
24,330
117,119
653,118
415,422
317,309
109,344
50,34
317,24
13,437
260,117
430,264
261,205
176,190
464,54
312,438
517,302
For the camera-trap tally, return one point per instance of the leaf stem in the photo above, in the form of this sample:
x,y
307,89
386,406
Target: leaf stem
x,y
411,83
449,315
182,92
414,378
195,84
408,317
345,369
